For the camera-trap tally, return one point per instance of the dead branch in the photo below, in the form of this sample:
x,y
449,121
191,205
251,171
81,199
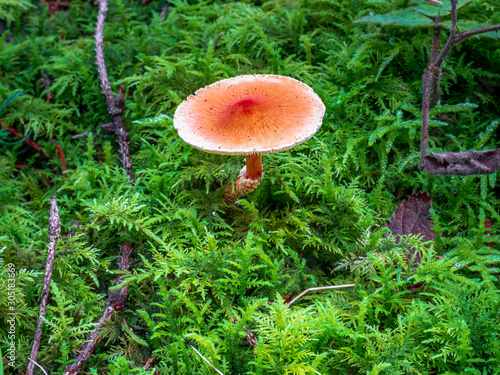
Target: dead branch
x,y
463,163
54,232
45,372
164,10
85,135
468,34
115,302
206,360
218,38
431,85
319,288
115,105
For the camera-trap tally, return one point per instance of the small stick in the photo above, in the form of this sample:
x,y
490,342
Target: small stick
x,y
114,105
164,10
206,360
45,372
84,135
115,302
319,288
54,232
218,38
431,83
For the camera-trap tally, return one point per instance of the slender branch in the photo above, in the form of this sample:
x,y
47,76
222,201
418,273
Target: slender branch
x,y
431,90
54,232
164,10
468,34
45,372
435,40
218,38
426,93
85,135
453,28
116,107
206,360
115,302
319,288
99,49
435,93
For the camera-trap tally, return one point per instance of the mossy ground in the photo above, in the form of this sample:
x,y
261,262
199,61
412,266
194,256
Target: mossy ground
x,y
201,271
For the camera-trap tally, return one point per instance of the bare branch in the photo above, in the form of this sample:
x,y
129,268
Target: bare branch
x,y
453,28
431,92
99,49
426,93
206,360
84,135
115,105
468,34
218,38
456,38
463,163
164,10
45,372
319,288
54,232
115,302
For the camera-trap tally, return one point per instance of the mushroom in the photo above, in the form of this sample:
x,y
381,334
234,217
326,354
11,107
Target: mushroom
x,y
249,115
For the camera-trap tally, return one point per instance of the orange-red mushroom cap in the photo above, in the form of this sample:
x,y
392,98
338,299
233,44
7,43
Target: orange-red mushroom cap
x,y
251,114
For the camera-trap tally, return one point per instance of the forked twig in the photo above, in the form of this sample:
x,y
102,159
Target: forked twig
x,y
116,107
432,76
319,288
206,360
54,232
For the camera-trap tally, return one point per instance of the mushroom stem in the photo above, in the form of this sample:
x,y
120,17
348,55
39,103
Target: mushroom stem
x,y
247,181
254,167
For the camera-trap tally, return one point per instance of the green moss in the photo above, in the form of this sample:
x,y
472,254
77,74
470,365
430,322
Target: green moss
x,y
204,274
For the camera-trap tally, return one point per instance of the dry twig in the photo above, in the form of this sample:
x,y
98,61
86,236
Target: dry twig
x,y
206,360
45,372
54,232
319,288
115,302
432,77
115,107
164,10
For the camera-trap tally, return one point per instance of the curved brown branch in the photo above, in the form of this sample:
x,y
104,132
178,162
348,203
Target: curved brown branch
x,y
432,76
54,232
468,34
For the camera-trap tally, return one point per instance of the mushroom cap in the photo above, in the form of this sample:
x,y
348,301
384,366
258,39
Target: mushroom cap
x,y
250,114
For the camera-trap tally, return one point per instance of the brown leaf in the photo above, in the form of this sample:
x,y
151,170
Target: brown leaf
x,y
412,217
